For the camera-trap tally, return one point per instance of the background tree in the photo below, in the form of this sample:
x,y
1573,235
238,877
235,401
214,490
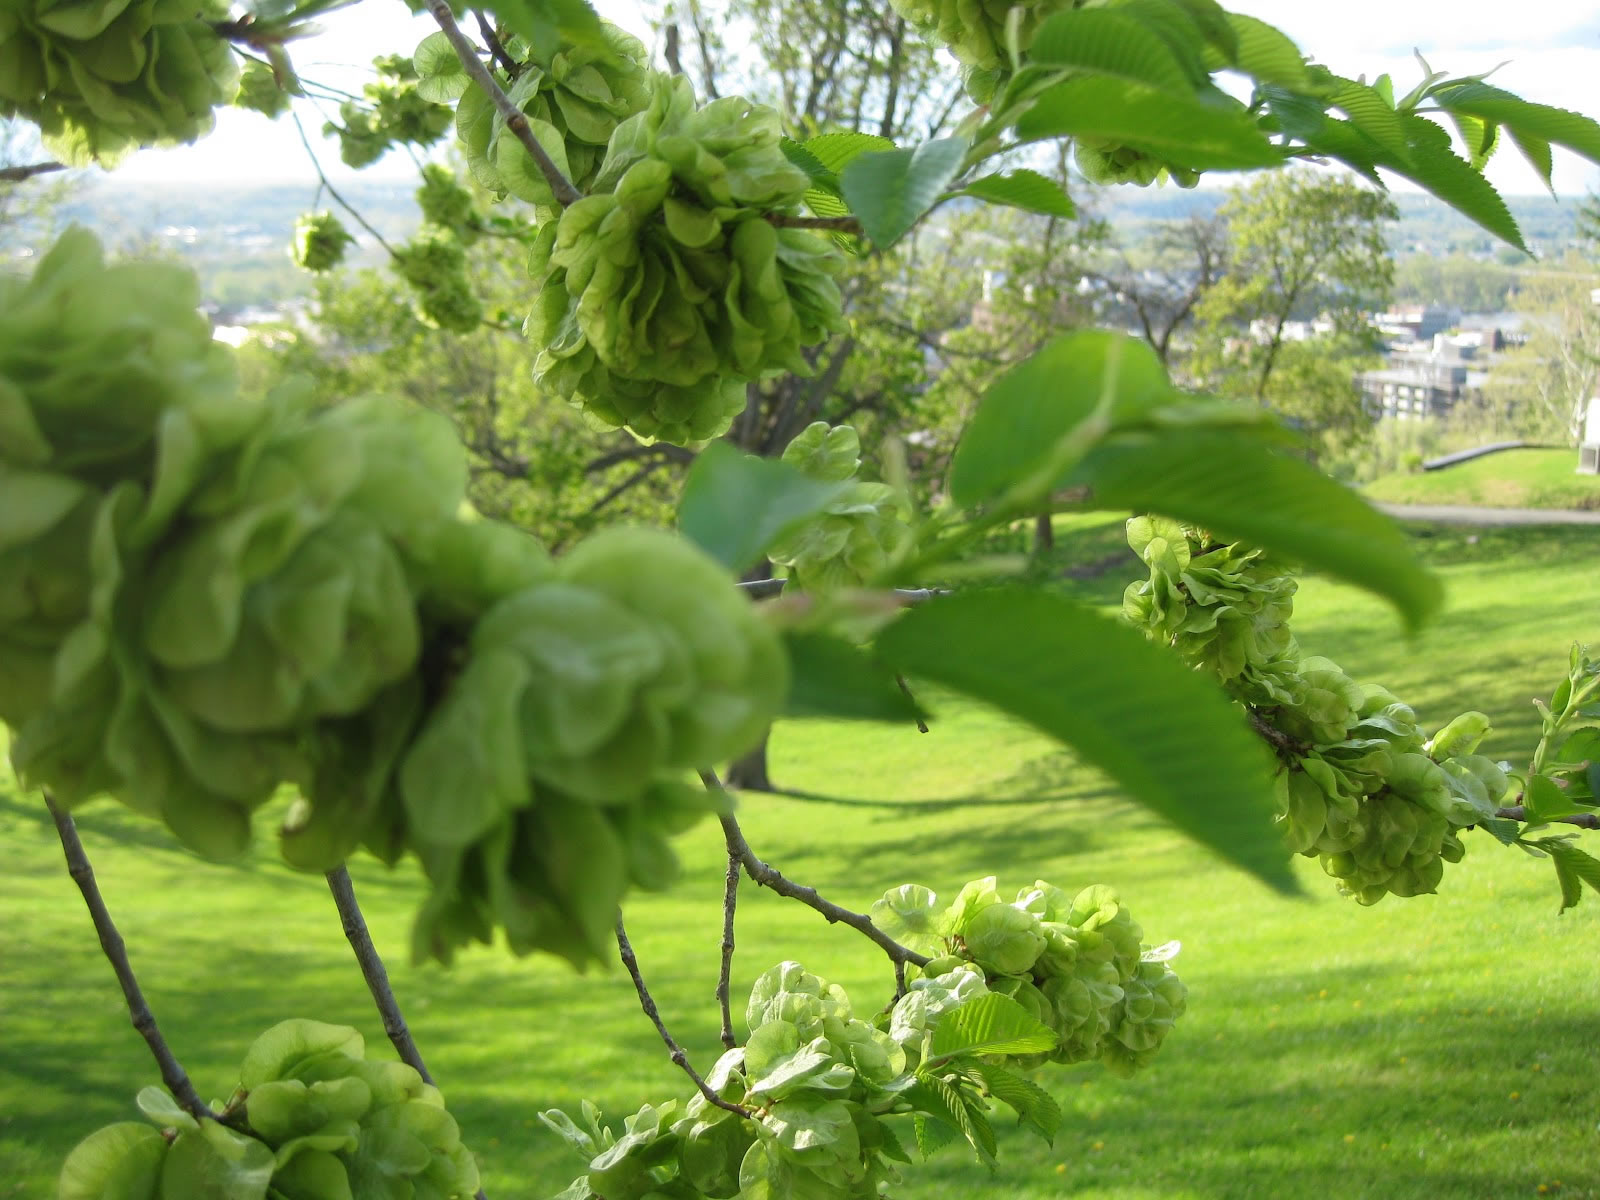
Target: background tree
x,y
1305,246
1540,391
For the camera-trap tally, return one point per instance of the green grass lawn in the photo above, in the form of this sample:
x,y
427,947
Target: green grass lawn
x,y
1509,479
1440,1047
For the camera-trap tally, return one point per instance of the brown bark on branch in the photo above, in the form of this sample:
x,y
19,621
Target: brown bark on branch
x,y
770,877
1518,812
648,1003
116,952
730,902
516,119
834,224
372,970
19,174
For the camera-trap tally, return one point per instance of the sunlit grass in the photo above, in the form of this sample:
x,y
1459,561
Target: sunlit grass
x,y
1510,479
1440,1047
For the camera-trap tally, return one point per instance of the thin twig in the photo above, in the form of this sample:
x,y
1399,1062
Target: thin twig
x,y
761,589
922,726
900,988
497,49
516,120
116,951
18,174
648,1003
730,902
372,970
1519,812
770,877
332,191
1286,746
833,224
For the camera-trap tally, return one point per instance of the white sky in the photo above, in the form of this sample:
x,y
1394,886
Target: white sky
x,y
1553,47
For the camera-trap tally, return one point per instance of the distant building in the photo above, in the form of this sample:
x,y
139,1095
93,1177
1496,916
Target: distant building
x,y
1589,448
1422,381
1417,322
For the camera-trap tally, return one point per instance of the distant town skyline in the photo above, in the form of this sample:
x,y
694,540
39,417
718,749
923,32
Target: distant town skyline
x,y
1551,51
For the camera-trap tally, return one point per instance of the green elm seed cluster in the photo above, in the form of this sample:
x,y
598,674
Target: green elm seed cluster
x,y
858,534
206,596
312,1119
1361,788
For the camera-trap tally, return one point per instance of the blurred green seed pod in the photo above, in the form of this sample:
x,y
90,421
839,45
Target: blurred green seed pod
x,y
320,242
671,249
434,264
1152,1001
448,205
260,91
857,536
103,79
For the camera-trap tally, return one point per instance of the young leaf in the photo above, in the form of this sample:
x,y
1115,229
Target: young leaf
x,y
735,505
1558,125
1544,801
1241,489
1268,55
836,151
1023,189
547,24
829,677
933,1134
1566,871
1123,704
1436,166
1106,42
1371,115
890,190
1195,132
991,1024
1043,401
1035,1107
944,1103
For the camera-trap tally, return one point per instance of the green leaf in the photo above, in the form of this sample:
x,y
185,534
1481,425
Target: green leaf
x,y
1268,55
991,1024
890,190
941,1100
1572,130
1023,189
836,151
735,506
1028,419
548,24
819,172
1545,801
1537,152
118,1162
828,677
1195,132
1368,113
1106,42
1438,168
1567,874
1504,831
1243,490
1035,1107
1123,704
933,1134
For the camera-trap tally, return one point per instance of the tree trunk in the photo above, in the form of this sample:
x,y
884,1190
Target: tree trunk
x,y
1044,534
749,773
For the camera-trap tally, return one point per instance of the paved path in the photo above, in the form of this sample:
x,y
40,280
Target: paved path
x,y
1461,514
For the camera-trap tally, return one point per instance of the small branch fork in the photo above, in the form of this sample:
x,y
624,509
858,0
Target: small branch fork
x,y
372,970
172,1073
730,902
516,120
770,877
648,1003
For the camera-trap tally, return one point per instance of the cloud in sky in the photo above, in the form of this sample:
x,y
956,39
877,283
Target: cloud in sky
x,y
1553,48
